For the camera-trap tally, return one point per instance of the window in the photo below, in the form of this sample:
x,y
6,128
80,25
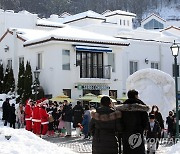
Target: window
x,y
153,24
120,22
91,64
9,63
113,94
133,66
177,70
21,60
66,60
127,22
154,65
124,22
39,61
111,61
67,92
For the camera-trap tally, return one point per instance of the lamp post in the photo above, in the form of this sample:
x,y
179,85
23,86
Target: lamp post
x,y
175,52
36,76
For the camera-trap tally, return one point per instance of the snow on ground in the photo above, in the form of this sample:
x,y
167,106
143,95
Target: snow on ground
x,y
25,142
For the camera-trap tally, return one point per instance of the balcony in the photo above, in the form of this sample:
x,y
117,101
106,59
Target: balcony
x,y
94,71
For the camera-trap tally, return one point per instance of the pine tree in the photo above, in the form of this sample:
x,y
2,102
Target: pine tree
x,y
1,78
5,81
27,82
11,80
20,86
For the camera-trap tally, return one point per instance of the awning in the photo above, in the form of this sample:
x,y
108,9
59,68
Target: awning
x,y
92,48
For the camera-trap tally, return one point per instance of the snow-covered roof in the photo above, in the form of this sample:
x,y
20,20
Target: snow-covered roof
x,y
44,22
87,14
65,14
70,34
120,12
153,15
148,35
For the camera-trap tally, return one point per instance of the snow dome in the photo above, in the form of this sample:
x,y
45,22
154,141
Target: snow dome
x,y
155,88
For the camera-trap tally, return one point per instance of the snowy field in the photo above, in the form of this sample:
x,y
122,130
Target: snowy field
x,y
25,142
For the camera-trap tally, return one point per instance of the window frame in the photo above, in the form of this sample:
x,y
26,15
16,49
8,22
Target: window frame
x,y
133,69
64,65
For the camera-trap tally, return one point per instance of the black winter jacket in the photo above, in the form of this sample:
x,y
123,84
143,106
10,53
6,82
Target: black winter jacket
x,y
78,115
134,122
104,124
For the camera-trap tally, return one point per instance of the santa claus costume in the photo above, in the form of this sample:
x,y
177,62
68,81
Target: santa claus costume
x,y
36,119
44,118
28,115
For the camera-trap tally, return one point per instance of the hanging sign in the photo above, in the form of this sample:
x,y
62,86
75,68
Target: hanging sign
x,y
93,87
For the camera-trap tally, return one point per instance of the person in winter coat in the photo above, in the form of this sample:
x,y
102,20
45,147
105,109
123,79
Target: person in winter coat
x,y
50,110
36,118
153,129
158,117
134,122
44,119
5,108
103,127
67,117
77,113
12,116
170,121
28,115
85,124
20,115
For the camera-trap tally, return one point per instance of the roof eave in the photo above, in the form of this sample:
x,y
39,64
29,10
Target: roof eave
x,y
76,40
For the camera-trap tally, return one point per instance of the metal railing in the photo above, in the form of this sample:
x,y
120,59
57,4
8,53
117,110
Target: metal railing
x,y
94,71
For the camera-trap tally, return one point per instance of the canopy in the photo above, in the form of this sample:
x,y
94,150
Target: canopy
x,y
61,98
123,99
92,48
98,99
87,97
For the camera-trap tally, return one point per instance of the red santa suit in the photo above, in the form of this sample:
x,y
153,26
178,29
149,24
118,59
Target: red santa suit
x,y
36,119
44,119
28,116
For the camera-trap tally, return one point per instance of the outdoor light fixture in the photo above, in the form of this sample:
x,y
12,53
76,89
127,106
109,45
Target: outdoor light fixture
x,y
6,48
146,61
175,51
36,76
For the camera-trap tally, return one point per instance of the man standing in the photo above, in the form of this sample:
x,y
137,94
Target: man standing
x,y
78,116
5,107
28,115
67,117
134,122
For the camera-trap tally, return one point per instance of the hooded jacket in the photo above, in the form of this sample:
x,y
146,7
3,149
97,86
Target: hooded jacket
x,y
104,124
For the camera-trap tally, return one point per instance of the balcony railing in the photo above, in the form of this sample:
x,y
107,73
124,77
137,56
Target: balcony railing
x,y
94,71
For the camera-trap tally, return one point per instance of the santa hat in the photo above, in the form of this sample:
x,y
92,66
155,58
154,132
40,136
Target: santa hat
x,y
28,101
46,101
38,102
44,105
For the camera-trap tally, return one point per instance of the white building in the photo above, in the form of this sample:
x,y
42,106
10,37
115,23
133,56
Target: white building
x,y
87,52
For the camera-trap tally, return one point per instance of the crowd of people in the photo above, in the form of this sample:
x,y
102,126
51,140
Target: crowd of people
x,y
44,117
113,128
123,128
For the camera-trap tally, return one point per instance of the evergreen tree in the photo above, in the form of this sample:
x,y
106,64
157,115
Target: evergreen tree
x,y
5,82
11,80
1,78
20,85
27,82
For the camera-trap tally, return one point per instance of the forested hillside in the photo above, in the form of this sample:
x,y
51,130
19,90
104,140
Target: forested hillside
x,y
44,8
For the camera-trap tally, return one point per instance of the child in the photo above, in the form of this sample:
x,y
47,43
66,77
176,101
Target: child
x,y
61,126
153,130
85,124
